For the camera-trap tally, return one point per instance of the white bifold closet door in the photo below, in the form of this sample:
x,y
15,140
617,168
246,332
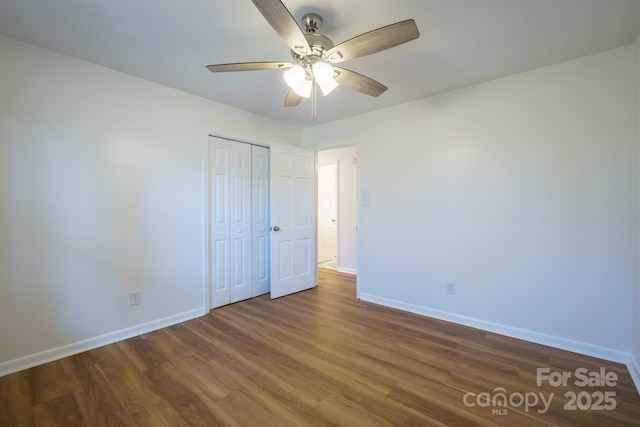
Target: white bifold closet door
x,y
239,221
260,220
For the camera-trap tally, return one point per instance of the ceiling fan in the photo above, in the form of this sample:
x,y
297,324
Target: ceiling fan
x,y
314,54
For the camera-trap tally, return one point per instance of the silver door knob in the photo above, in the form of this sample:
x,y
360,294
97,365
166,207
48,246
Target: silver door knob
x,y
276,228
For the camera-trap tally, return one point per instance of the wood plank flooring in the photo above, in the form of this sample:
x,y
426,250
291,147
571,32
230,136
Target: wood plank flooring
x,y
316,358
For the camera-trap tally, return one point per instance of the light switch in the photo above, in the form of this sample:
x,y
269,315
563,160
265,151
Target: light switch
x,y
365,196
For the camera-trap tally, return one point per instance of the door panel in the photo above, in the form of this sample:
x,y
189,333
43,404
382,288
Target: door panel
x,y
240,232
285,257
305,206
260,220
219,222
284,201
231,221
220,272
293,236
305,257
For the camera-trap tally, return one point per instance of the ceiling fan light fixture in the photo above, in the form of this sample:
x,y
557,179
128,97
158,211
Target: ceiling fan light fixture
x,y
327,86
296,79
303,89
313,54
323,74
294,76
322,71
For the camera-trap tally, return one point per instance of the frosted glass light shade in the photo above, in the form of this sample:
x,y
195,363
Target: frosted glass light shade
x,y
303,89
294,76
323,74
327,86
322,71
296,79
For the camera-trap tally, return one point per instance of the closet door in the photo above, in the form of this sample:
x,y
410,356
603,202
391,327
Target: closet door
x,y
230,216
260,219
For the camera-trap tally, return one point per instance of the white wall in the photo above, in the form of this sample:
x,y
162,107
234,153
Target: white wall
x,y
519,190
635,364
346,157
101,193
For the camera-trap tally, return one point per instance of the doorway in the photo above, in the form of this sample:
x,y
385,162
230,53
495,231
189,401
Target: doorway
x,y
255,244
337,209
327,215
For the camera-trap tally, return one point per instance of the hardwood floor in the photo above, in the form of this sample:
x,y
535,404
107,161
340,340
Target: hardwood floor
x,y
319,358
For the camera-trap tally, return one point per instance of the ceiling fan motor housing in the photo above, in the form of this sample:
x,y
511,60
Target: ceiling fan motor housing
x,y
317,42
312,22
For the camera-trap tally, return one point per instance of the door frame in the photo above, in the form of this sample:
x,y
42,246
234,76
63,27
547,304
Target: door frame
x,y
206,272
357,205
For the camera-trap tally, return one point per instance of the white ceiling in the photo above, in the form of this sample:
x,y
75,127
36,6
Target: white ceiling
x,y
462,42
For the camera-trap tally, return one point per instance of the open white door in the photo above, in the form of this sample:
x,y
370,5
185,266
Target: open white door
x,y
293,220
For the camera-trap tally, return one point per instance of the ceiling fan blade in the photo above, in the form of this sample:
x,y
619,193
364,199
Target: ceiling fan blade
x,y
279,17
358,82
374,41
292,99
249,66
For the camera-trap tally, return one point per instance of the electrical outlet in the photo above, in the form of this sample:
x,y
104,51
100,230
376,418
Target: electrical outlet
x,y
451,288
134,298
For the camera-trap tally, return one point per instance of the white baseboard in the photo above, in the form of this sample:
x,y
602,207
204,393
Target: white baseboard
x,y
523,334
348,270
47,356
